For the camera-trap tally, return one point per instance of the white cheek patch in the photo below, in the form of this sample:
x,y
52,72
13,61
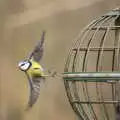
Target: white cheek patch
x,y
24,65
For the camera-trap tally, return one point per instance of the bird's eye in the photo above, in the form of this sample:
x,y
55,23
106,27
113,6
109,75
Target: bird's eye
x,y
23,64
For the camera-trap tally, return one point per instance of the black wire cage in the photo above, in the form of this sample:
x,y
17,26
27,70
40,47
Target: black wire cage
x,y
92,70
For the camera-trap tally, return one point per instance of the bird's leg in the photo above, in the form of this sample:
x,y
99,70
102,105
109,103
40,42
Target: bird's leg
x,y
54,73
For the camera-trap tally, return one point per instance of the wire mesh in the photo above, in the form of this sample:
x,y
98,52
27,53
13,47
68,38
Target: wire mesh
x,y
96,50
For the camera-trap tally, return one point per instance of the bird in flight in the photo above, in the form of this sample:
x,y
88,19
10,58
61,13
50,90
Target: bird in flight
x,y
34,71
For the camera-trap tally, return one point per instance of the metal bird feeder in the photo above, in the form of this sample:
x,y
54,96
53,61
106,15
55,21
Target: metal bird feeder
x,y
92,70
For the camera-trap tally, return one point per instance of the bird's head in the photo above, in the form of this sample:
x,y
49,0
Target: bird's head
x,y
24,65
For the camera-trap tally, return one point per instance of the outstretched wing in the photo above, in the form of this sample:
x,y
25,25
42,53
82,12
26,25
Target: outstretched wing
x,y
34,84
38,50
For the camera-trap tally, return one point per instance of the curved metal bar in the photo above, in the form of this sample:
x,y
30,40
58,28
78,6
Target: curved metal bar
x,y
67,86
117,65
73,59
69,56
67,62
76,59
80,108
85,86
86,55
99,67
81,40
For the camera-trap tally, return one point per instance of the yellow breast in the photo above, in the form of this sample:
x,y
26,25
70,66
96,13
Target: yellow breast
x,y
35,70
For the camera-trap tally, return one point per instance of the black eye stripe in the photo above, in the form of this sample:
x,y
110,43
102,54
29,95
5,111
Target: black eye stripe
x,y
22,64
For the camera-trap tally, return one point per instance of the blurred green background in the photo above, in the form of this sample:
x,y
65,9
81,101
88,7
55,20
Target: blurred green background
x,y
21,23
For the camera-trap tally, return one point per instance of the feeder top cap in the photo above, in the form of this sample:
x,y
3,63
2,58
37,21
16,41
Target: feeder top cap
x,y
116,9
113,12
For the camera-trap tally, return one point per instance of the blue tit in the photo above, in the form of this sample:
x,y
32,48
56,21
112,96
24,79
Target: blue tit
x,y
31,68
34,71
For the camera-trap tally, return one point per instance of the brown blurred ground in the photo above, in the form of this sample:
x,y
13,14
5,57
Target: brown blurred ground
x,y
21,23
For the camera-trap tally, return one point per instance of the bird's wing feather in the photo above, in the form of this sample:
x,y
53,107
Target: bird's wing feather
x,y
38,50
34,84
